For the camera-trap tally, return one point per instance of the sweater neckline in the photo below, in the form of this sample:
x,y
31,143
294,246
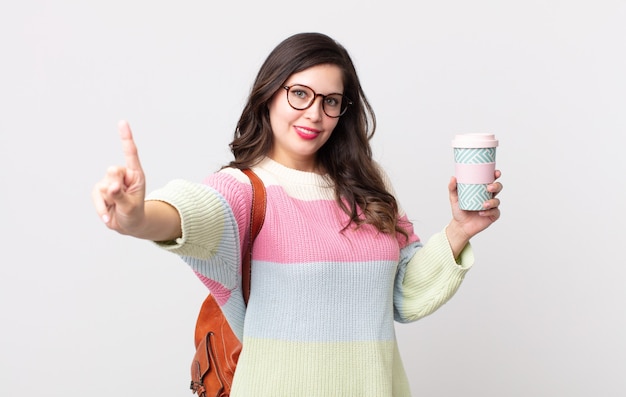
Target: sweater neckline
x,y
292,175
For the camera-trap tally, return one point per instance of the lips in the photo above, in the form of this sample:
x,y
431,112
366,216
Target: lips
x,y
307,133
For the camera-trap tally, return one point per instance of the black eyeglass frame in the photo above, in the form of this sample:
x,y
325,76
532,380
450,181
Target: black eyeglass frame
x,y
315,95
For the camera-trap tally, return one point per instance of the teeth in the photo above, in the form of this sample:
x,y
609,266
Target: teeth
x,y
305,131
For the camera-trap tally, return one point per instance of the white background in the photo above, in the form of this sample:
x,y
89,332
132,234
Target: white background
x,y
85,311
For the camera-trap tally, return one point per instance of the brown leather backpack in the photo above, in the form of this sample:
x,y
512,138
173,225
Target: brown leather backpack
x,y
217,347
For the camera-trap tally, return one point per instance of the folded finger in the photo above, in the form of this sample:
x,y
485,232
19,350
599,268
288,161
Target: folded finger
x,y
491,204
100,202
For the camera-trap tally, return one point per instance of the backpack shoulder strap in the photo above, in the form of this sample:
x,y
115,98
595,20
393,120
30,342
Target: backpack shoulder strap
x,y
257,217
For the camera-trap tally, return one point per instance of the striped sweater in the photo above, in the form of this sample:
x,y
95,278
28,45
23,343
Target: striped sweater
x,y
320,318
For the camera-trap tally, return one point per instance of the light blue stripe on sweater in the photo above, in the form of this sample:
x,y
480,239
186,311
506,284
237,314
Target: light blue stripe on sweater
x,y
406,254
223,266
353,302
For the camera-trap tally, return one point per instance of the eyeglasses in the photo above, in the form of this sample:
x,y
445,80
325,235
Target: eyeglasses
x,y
301,97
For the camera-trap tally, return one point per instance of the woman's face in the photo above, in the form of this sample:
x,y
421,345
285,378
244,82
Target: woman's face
x,y
298,134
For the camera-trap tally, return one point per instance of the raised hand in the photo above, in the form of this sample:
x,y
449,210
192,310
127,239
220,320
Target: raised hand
x,y
119,196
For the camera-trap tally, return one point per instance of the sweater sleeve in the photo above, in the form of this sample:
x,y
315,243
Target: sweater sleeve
x,y
428,276
214,217
214,221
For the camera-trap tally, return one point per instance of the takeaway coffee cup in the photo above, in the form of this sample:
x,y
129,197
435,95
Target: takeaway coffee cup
x,y
475,164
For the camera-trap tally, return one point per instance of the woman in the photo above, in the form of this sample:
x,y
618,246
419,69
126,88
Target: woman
x,y
336,261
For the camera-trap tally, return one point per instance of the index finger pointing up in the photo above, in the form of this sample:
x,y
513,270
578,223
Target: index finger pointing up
x,y
128,146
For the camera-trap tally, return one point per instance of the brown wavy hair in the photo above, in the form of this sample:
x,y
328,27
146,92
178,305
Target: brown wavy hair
x,y
347,155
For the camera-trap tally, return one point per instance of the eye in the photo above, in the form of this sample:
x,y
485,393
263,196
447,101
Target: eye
x,y
333,101
298,93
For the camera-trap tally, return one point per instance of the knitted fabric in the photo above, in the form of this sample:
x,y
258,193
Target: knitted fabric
x,y
323,299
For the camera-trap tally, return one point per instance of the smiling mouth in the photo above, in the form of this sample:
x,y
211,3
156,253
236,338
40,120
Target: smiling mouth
x,y
307,133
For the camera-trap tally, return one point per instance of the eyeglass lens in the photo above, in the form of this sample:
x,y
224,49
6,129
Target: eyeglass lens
x,y
301,97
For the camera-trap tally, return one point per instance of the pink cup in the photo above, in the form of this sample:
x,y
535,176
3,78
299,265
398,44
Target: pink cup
x,y
475,165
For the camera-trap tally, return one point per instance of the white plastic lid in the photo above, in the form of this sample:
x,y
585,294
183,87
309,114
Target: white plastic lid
x,y
474,140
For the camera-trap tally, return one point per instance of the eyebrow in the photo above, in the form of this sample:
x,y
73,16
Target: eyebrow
x,y
314,90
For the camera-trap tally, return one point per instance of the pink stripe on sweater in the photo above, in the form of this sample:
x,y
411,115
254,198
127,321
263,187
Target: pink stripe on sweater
x,y
219,292
298,231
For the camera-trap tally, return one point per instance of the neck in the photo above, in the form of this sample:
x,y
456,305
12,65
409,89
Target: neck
x,y
305,165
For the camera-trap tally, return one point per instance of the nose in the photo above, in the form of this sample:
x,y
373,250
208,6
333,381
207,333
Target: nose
x,y
316,111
